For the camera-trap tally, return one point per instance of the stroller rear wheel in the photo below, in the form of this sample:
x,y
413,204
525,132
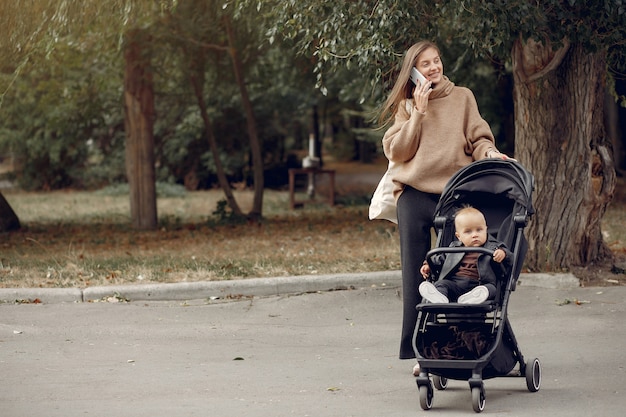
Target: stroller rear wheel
x,y
426,397
533,375
440,382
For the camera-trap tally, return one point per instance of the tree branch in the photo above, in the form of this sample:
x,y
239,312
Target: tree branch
x,y
533,60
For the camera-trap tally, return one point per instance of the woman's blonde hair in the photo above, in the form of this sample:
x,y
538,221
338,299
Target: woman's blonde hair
x,y
403,88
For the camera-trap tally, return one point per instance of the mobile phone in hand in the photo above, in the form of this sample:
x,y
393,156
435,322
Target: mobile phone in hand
x,y
417,76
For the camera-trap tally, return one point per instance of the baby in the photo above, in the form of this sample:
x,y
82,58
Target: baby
x,y
467,277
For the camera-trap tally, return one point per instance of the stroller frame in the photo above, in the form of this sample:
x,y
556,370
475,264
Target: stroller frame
x,y
487,185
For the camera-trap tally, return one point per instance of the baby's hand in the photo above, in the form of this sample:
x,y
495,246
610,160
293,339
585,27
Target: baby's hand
x,y
499,255
425,270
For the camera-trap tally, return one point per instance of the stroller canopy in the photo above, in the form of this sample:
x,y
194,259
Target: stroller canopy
x,y
490,176
502,191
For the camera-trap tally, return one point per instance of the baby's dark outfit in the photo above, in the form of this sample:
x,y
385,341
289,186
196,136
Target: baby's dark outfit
x,y
462,272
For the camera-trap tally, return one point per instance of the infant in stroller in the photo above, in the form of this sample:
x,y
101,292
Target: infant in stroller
x,y
469,277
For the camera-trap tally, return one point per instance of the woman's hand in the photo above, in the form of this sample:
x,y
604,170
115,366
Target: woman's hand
x,y
420,96
492,153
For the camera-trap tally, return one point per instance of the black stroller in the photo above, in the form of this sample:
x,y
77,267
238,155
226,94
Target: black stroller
x,y
474,342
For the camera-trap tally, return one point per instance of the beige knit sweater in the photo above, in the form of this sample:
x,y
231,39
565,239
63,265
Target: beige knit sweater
x,y
428,148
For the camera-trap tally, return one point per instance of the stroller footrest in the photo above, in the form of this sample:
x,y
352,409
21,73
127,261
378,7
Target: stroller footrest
x,y
456,308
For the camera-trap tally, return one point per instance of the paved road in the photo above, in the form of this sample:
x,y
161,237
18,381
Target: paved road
x,y
317,354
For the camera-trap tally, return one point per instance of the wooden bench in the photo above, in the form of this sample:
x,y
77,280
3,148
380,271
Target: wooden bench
x,y
293,203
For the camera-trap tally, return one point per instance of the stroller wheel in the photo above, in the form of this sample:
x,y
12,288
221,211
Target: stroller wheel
x,y
533,375
440,382
426,397
478,398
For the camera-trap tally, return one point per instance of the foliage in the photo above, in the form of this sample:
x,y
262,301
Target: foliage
x,y
60,88
61,117
60,79
357,46
65,114
224,216
492,29
595,25
371,36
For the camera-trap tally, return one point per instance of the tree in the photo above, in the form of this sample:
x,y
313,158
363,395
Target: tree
x,y
195,49
8,219
573,165
139,121
257,159
203,27
198,29
19,28
37,27
558,50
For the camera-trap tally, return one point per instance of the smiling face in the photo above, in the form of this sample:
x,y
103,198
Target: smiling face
x,y
471,227
430,65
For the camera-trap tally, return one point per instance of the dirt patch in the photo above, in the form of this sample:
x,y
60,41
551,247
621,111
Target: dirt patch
x,y
607,274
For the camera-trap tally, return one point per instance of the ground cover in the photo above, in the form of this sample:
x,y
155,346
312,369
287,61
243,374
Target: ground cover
x,y
81,239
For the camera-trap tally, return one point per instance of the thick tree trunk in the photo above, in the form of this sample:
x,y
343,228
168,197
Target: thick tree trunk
x,y
8,218
560,139
255,144
139,119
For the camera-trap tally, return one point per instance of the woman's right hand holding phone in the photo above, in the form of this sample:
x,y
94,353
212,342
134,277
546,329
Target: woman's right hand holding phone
x,y
420,96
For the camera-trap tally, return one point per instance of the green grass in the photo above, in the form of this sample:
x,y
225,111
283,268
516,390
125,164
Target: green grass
x,y
81,239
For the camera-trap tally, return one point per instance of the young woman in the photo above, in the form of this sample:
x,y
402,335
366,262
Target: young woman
x,y
436,130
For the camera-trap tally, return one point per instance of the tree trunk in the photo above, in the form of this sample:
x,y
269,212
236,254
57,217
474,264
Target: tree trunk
x,y
139,119
560,139
255,145
197,83
8,218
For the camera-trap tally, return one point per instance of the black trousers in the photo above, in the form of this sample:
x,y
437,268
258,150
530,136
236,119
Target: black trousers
x,y
416,210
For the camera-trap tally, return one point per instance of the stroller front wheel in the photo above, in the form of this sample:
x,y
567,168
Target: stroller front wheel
x,y
478,399
426,397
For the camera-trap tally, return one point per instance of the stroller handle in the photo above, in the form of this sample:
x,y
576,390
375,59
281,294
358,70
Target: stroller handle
x,y
459,249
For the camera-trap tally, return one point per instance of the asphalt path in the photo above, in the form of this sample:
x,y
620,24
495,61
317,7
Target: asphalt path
x,y
327,353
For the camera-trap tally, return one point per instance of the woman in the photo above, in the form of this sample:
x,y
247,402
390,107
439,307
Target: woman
x,y
437,129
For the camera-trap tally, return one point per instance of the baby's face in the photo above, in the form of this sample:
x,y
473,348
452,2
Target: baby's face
x,y
471,229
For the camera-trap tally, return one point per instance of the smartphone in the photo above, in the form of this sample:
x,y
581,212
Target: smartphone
x,y
417,76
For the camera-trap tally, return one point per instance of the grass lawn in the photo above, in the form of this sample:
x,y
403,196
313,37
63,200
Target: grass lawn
x,y
80,239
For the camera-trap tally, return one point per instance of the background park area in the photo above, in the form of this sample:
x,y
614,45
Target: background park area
x,y
82,238
145,141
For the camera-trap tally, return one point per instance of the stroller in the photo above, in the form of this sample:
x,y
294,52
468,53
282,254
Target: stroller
x,y
474,342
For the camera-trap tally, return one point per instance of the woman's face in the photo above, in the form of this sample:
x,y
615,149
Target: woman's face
x,y
430,65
